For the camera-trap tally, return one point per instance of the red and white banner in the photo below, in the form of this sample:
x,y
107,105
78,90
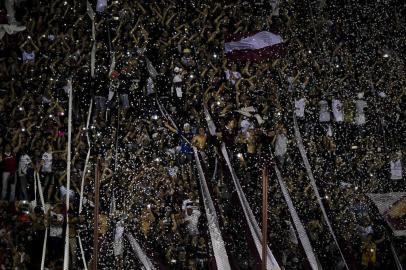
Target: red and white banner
x,y
256,47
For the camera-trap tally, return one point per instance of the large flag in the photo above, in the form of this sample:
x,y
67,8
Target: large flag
x,y
257,47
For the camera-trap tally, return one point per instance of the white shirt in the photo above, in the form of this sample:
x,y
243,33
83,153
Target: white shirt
x,y
245,125
232,76
64,191
396,169
338,110
173,171
24,164
28,57
56,230
101,5
360,105
281,144
324,114
118,244
47,158
290,83
275,7
192,222
150,86
185,203
300,107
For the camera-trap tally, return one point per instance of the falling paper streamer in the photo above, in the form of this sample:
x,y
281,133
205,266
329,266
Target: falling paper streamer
x,y
68,166
41,195
219,250
142,257
256,233
93,59
304,239
249,216
9,5
113,63
395,255
313,183
82,252
90,11
44,249
87,158
83,181
151,69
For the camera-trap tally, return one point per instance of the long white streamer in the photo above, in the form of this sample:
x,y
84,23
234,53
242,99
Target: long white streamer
x,y
90,10
82,185
220,253
41,194
81,252
142,257
9,5
87,158
249,215
35,190
68,165
89,113
313,183
44,248
113,63
91,14
304,239
209,120
165,113
151,69
37,182
93,59
83,181
395,255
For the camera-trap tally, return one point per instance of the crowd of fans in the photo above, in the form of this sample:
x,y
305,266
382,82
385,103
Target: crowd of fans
x,y
341,74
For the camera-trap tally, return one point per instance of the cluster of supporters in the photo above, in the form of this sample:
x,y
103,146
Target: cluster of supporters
x,y
341,75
